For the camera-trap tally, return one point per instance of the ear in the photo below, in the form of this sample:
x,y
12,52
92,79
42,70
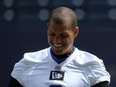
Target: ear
x,y
47,24
76,31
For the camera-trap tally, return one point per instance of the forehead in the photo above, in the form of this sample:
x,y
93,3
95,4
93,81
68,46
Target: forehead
x,y
55,27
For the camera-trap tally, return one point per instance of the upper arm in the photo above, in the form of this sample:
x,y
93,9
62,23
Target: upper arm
x,y
102,84
18,71
14,83
98,74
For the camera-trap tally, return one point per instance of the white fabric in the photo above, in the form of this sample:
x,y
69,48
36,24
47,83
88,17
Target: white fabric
x,y
81,68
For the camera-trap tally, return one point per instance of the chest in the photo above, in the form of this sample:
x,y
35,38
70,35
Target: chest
x,y
46,76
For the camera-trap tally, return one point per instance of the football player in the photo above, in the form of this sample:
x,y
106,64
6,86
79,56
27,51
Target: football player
x,y
62,64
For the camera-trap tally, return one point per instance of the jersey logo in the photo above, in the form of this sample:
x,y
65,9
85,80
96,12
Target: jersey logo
x,y
56,75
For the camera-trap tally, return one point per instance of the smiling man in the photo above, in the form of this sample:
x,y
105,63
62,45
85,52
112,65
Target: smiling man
x,y
61,34
62,64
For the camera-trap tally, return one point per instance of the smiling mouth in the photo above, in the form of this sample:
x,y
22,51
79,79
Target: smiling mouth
x,y
58,45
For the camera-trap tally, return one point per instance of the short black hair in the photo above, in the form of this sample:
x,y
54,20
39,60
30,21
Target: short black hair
x,y
60,14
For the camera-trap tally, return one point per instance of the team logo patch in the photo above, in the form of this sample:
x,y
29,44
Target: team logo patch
x,y
56,75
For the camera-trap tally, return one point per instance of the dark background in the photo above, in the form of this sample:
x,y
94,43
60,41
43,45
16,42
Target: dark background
x,y
23,28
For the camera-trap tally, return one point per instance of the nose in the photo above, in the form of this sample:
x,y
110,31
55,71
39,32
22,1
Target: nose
x,y
57,39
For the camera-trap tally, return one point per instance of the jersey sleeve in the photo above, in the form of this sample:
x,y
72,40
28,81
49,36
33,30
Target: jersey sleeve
x,y
18,70
23,68
98,73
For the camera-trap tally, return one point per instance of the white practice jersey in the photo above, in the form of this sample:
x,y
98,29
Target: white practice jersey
x,y
80,69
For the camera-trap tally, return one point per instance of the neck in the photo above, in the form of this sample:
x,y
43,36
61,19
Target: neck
x,y
63,55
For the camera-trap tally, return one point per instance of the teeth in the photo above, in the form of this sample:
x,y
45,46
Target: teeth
x,y
57,45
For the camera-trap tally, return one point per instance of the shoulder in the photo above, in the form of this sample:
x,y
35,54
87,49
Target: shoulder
x,y
93,66
36,57
28,61
86,58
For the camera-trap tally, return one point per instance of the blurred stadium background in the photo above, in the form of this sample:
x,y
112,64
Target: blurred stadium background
x,y
23,29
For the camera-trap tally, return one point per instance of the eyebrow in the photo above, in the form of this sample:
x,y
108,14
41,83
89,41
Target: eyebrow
x,y
61,33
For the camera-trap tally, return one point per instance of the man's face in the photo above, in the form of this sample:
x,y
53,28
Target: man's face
x,y
61,37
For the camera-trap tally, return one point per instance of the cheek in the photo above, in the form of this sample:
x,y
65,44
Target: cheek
x,y
49,39
69,42
71,39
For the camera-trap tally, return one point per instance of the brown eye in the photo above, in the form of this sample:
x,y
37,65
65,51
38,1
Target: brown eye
x,y
64,35
51,34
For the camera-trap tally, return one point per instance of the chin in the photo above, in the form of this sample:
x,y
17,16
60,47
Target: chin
x,y
58,52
